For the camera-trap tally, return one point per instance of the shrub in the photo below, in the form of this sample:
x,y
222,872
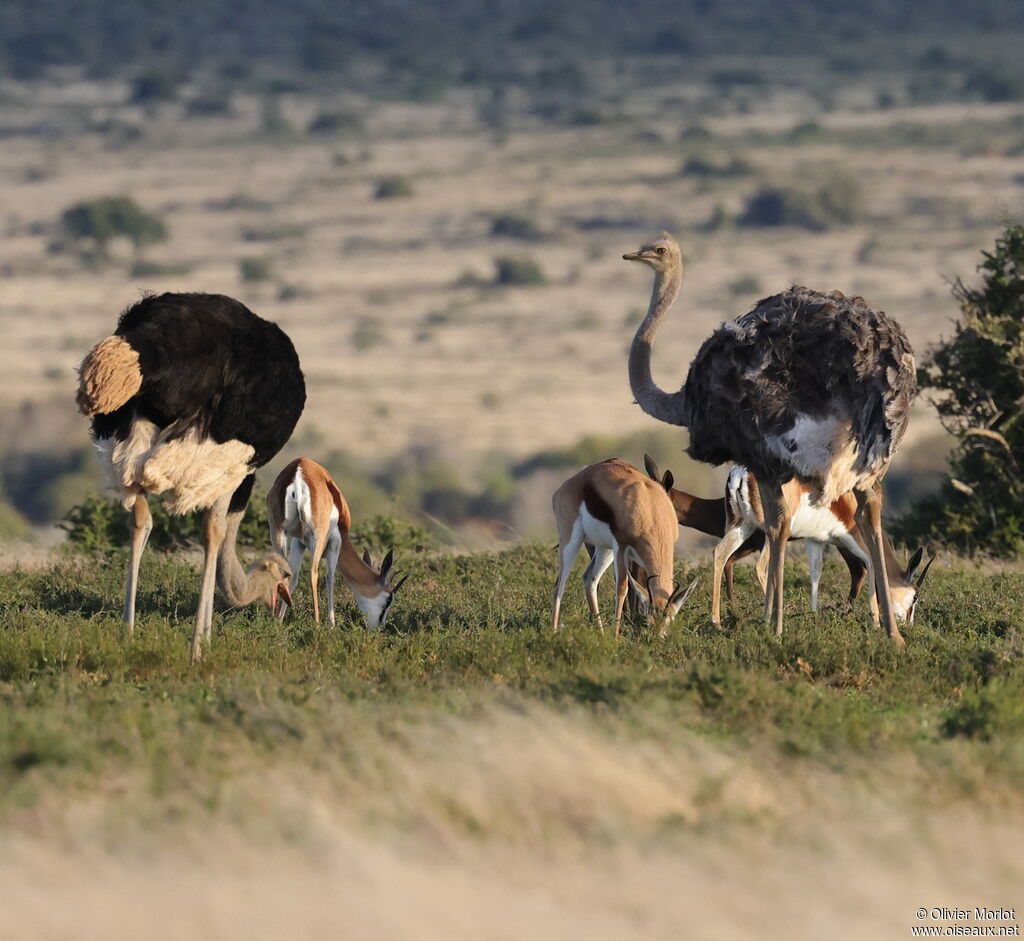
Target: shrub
x,y
335,122
385,531
142,268
518,272
979,377
100,524
836,203
711,164
367,334
251,270
515,225
214,102
992,83
393,187
155,86
100,220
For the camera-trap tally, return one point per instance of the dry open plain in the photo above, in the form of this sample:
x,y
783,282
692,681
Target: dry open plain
x,y
405,342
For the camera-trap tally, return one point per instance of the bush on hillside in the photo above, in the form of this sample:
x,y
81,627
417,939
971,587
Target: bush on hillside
x,y
978,378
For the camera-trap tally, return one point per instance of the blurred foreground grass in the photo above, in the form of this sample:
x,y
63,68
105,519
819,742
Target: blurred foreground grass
x,y
85,705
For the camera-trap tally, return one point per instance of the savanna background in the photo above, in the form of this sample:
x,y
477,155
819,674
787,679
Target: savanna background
x,y
433,202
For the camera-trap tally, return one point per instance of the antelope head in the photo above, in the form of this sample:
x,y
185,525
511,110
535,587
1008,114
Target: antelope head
x,y
380,589
660,612
905,594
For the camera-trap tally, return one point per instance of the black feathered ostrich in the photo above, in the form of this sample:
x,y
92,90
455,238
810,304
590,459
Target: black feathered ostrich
x,y
807,385
189,396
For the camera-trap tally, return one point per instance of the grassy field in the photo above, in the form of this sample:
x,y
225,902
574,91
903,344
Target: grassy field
x,y
468,774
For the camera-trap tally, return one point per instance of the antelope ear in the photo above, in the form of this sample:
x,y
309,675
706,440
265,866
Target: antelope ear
x,y
385,566
680,595
920,578
652,467
915,561
366,557
641,591
667,481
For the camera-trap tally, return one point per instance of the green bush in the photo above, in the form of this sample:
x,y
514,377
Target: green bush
x,y
836,203
251,270
715,164
515,225
518,272
385,531
393,187
100,220
155,85
100,524
978,375
335,122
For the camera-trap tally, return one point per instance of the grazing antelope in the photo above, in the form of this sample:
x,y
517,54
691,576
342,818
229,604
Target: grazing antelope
x,y
709,517
625,517
834,524
306,506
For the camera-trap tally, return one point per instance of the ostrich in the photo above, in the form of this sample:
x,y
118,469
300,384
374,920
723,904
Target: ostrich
x,y
189,396
808,385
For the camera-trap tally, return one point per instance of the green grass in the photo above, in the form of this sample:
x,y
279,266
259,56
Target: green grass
x,y
85,706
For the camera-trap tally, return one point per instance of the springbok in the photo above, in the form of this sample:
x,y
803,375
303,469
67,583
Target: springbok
x,y
709,517
306,506
834,524
625,517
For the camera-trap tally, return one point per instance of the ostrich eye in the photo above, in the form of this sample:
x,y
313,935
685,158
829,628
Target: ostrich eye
x,y
660,249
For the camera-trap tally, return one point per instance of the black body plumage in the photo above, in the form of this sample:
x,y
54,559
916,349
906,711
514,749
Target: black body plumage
x,y
209,363
799,353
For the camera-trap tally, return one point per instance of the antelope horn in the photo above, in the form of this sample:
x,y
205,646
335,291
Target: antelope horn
x,y
920,578
634,584
398,584
679,599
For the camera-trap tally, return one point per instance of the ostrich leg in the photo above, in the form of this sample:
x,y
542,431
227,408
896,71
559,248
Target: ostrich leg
x,y
777,527
141,526
869,519
214,529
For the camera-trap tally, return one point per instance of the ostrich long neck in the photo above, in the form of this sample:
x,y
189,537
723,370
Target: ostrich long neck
x,y
665,406
237,585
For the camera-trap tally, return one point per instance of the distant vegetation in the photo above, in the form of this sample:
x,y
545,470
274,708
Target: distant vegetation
x,y
420,49
521,272
393,187
836,203
97,222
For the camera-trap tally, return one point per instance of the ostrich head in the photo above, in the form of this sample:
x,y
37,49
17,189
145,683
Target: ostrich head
x,y
376,603
268,580
662,254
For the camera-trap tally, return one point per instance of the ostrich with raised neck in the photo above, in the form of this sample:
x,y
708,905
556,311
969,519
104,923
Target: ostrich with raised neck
x,y
808,385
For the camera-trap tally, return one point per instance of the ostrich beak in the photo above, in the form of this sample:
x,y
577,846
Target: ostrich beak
x,y
631,256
